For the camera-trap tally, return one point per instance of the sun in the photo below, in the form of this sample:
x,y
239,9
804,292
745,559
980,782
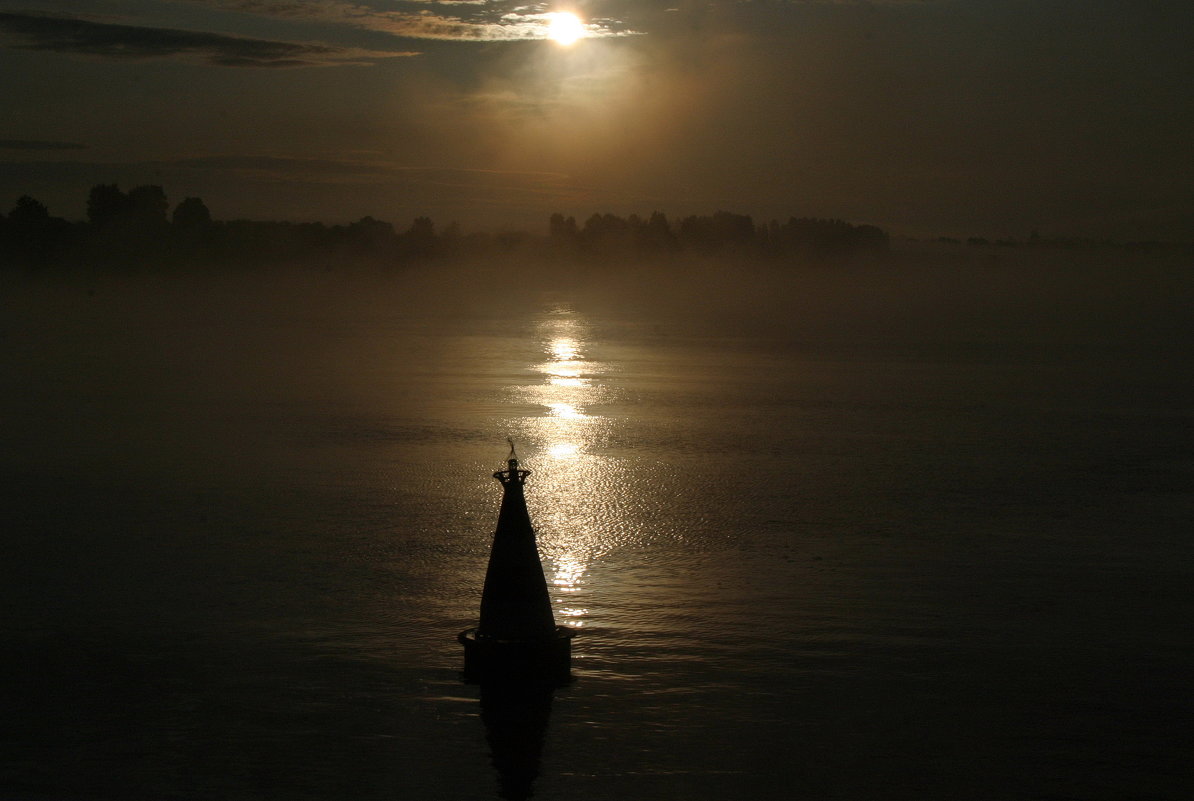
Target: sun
x,y
564,28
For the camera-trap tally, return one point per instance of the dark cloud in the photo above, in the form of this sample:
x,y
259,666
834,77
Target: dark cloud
x,y
34,144
449,20
128,42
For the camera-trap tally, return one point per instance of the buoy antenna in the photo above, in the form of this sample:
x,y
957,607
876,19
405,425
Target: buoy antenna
x,y
512,473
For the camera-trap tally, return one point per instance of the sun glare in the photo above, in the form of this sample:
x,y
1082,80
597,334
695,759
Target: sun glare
x,y
564,28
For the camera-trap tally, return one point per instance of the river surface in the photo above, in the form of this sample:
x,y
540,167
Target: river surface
x,y
853,554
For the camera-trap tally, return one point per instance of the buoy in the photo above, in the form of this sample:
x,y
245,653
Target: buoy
x,y
516,638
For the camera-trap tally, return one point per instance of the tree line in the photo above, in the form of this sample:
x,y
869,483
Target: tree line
x,y
721,232
139,228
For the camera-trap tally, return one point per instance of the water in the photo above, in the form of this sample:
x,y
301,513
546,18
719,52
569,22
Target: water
x,y
847,541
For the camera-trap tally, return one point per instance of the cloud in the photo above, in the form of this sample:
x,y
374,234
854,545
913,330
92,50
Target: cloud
x,y
128,42
469,20
34,144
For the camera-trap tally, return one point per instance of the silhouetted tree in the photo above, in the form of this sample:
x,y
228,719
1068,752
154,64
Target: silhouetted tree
x,y
563,236
657,234
562,229
870,237
106,204
192,234
369,237
137,228
723,231
142,210
821,238
733,230
607,234
30,234
191,214
148,207
420,238
696,233
29,213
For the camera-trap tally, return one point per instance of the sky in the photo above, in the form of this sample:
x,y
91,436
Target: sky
x,y
933,117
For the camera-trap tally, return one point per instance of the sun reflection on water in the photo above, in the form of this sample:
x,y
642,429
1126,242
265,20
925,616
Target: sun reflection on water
x,y
570,497
564,349
563,450
565,410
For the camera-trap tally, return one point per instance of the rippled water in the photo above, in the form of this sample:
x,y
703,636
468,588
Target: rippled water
x,y
803,562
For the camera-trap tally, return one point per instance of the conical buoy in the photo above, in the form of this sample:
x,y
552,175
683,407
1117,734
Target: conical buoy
x,y
517,637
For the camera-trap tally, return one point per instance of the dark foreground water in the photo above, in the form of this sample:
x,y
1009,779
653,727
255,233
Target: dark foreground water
x,y
872,537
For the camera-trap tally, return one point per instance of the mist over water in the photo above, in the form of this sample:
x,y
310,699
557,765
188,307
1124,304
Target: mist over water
x,y
913,530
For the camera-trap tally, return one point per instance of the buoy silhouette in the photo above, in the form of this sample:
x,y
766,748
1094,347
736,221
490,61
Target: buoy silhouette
x,y
516,638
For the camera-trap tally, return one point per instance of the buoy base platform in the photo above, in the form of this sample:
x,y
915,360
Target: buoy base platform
x,y
545,660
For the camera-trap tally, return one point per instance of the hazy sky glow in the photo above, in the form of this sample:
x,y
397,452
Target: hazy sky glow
x,y
962,116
